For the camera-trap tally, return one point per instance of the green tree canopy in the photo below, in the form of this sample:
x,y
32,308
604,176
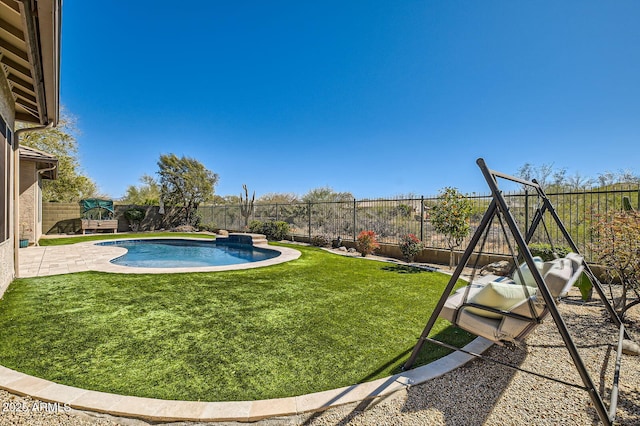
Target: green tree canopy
x,y
450,216
326,194
278,198
145,194
72,184
185,182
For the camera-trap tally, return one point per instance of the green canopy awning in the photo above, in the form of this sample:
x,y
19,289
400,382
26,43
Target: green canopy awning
x,y
98,205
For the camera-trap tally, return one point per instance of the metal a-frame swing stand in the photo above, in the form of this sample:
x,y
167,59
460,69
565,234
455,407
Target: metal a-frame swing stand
x,y
497,206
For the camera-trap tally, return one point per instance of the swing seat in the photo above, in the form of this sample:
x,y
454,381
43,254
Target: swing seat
x,y
505,310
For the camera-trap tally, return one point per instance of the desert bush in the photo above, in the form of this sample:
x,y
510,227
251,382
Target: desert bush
x,y
135,215
255,226
320,240
546,252
410,246
367,243
273,229
404,210
277,230
617,246
209,227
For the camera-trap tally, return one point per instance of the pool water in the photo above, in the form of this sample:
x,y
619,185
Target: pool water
x,y
176,253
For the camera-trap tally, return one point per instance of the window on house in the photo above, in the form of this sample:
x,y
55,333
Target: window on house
x,y
5,181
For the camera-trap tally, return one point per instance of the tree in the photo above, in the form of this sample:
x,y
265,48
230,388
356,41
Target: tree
x,y
616,243
326,194
540,173
627,176
579,182
606,178
71,185
185,182
450,216
146,194
559,177
278,198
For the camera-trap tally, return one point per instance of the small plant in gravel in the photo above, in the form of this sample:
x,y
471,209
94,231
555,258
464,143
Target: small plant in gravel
x,y
320,240
410,246
617,247
366,243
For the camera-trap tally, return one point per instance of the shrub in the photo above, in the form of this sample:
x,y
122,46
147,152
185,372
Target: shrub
x,y
273,230
255,226
135,215
367,243
617,246
410,246
546,252
210,227
320,241
404,210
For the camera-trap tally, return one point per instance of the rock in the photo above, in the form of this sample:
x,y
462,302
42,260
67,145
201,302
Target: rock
x,y
352,250
337,242
629,347
502,268
342,248
184,228
223,233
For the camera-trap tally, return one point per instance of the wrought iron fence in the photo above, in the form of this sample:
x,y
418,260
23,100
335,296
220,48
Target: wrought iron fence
x,y
392,218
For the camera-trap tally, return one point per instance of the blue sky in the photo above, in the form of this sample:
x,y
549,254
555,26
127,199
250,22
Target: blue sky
x,y
377,98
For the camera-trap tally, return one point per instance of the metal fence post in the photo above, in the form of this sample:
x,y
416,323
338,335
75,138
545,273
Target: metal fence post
x,y
526,208
309,221
354,220
422,218
277,212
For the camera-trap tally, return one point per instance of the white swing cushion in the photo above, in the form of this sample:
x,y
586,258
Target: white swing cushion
x,y
527,277
502,296
561,274
556,274
495,329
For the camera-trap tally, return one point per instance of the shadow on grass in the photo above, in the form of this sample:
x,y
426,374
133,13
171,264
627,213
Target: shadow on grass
x,y
430,352
405,269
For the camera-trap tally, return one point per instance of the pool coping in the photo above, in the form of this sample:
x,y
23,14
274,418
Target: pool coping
x,y
155,410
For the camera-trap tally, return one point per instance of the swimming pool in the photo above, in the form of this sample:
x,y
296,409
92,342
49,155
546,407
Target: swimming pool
x,y
185,253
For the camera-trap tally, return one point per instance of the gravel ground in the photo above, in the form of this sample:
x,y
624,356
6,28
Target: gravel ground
x,y
479,393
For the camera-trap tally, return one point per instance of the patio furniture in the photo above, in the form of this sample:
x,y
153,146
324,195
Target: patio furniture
x,y
506,310
97,215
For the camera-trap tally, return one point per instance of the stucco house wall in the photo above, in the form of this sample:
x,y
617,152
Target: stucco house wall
x,y
7,113
29,193
29,93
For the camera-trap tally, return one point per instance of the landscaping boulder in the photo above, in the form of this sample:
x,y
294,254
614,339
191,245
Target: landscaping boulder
x,y
184,228
502,268
629,347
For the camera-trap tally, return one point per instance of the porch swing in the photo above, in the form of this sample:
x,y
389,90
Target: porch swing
x,y
505,310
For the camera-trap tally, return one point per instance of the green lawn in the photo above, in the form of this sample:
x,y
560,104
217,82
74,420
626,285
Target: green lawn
x,y
316,323
95,237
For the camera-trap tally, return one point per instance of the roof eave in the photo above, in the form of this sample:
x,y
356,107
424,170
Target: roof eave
x,y
49,17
